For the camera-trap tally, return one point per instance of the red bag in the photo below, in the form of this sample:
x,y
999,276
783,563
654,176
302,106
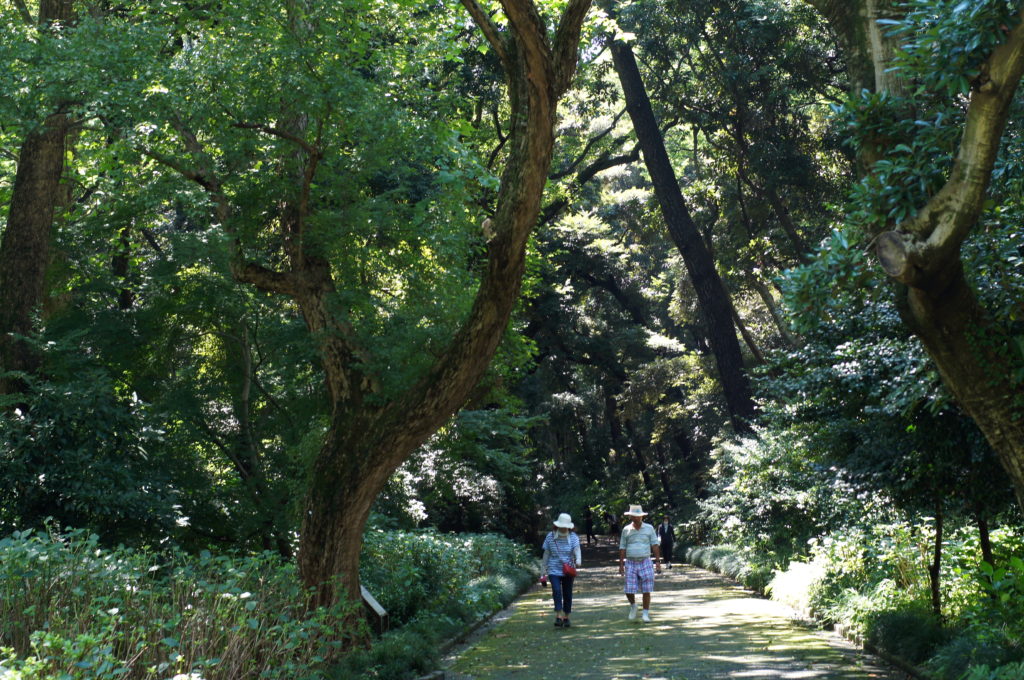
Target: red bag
x,y
568,570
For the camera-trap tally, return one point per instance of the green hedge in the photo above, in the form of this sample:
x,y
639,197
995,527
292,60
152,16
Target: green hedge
x,y
732,562
435,585
70,609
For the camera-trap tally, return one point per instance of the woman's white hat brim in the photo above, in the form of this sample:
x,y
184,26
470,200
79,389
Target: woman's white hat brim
x,y
564,521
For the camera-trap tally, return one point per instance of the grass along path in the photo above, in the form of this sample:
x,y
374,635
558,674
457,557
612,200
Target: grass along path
x,y
703,628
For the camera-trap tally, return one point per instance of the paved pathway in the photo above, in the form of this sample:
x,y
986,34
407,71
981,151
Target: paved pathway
x,y
703,628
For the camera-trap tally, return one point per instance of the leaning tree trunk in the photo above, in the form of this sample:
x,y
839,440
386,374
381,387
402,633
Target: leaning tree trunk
x,y
712,297
923,253
370,436
366,443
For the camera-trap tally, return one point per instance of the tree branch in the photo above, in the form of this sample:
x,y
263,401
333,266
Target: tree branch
x,y
278,132
586,149
940,227
284,283
490,31
533,46
567,39
502,138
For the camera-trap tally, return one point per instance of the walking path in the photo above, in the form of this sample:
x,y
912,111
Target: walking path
x,y
703,628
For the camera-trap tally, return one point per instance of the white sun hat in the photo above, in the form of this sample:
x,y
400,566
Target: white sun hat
x,y
564,521
635,511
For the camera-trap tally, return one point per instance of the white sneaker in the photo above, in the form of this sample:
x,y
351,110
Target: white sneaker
x,y
632,612
646,617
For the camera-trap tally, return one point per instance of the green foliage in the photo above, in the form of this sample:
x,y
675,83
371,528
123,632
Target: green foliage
x,y
1009,671
80,450
736,563
874,580
71,609
471,476
771,497
433,585
458,575
912,634
944,42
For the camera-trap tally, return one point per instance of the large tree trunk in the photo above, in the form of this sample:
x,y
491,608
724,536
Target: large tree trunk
x,y
967,347
712,297
370,435
25,249
366,444
923,253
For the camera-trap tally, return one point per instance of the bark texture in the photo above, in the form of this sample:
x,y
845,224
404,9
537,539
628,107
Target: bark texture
x,y
712,297
25,248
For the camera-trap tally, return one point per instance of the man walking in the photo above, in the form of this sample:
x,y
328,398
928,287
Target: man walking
x,y
637,542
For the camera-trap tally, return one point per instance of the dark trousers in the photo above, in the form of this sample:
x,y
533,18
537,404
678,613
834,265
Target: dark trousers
x,y
561,592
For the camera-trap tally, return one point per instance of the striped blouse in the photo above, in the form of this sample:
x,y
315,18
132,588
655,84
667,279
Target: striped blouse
x,y
559,549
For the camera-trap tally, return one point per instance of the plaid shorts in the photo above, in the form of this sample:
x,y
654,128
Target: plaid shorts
x,y
639,576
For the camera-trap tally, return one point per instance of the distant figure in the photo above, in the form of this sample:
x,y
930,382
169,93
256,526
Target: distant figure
x,y
638,540
667,535
561,548
588,520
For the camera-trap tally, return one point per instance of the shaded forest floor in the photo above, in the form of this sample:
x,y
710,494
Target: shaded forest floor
x,y
703,628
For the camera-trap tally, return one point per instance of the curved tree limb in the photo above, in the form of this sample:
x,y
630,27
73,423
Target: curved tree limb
x,y
490,31
928,242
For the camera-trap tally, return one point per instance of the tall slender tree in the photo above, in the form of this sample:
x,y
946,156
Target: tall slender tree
x,y
713,298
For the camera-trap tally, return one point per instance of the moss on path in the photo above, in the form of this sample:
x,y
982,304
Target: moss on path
x,y
703,628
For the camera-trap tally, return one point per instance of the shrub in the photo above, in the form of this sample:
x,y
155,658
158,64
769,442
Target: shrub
x,y
72,610
732,562
1013,671
965,651
912,634
413,572
793,585
480,574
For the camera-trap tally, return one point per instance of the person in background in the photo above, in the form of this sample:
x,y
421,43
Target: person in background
x,y
561,546
667,536
638,541
588,521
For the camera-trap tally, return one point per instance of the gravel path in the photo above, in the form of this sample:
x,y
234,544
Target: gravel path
x,y
703,628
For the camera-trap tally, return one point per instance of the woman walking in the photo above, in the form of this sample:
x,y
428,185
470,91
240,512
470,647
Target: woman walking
x,y
561,558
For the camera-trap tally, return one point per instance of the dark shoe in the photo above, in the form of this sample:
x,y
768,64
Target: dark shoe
x,y
558,623
565,623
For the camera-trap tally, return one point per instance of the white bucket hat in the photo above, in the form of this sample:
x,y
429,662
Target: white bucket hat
x,y
635,511
564,521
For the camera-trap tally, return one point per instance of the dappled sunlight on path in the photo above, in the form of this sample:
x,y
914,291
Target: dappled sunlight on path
x,y
703,628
